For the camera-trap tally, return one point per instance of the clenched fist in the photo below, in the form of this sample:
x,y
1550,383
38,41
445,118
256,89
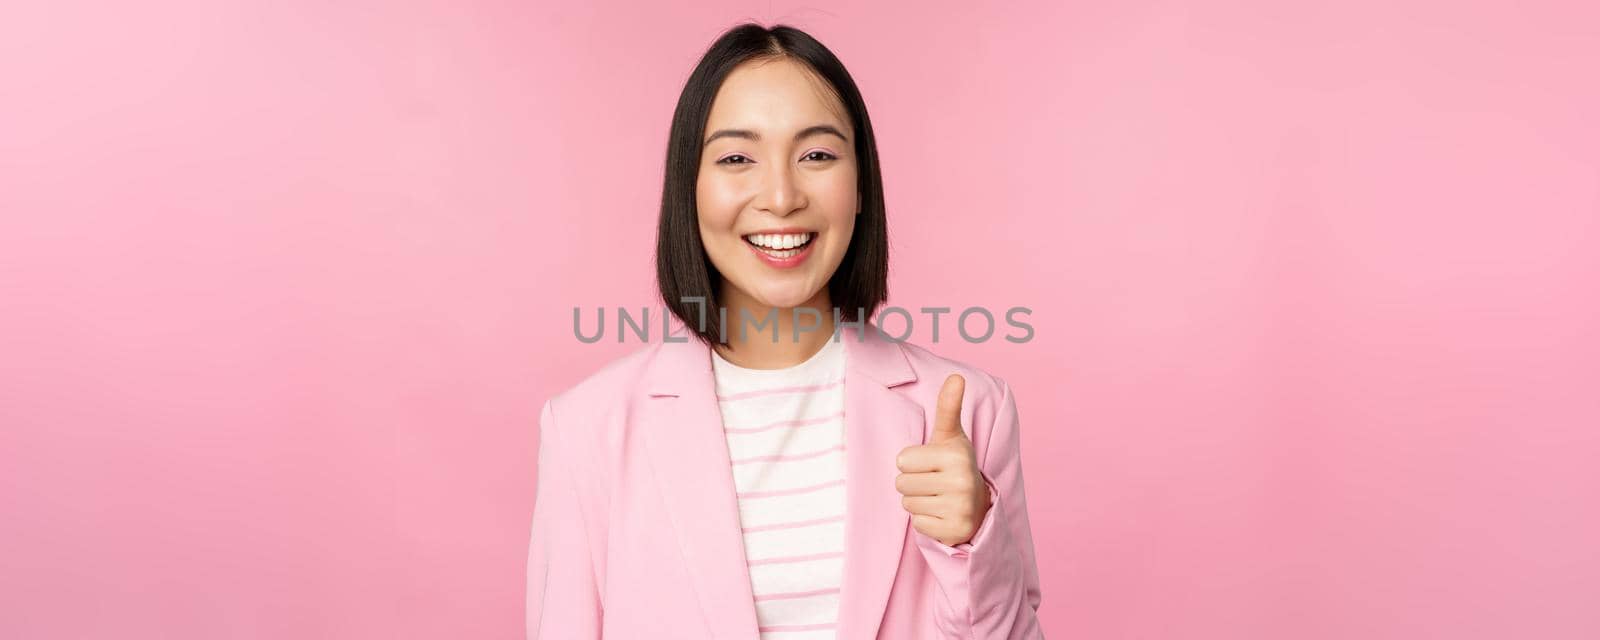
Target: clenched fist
x,y
939,482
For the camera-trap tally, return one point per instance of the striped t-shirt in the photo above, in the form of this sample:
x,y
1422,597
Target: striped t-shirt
x,y
785,432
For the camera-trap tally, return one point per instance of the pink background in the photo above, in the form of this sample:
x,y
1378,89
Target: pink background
x,y
283,285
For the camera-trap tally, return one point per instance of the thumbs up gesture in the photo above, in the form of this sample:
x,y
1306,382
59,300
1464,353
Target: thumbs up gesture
x,y
939,482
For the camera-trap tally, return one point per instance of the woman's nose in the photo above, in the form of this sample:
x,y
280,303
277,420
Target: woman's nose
x,y
781,193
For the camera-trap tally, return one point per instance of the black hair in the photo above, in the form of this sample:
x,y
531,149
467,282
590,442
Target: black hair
x,y
683,270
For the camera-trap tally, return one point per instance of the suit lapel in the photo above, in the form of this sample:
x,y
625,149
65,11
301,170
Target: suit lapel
x,y
879,422
689,456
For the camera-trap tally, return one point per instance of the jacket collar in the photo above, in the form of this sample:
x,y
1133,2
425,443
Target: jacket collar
x,y
688,453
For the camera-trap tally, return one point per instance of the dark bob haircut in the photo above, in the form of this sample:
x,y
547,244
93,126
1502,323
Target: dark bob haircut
x,y
684,272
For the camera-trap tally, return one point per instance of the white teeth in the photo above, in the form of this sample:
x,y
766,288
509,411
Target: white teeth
x,y
779,241
786,245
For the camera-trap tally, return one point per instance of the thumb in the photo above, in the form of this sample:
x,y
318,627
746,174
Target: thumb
x,y
947,421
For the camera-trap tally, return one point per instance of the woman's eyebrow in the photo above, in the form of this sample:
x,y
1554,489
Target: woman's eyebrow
x,y
816,129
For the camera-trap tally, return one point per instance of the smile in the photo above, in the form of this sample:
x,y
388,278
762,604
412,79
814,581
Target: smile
x,y
782,250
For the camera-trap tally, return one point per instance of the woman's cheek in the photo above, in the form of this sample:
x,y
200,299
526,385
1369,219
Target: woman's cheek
x,y
839,189
725,195
715,205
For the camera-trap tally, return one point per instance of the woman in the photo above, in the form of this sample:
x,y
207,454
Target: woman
x,y
832,483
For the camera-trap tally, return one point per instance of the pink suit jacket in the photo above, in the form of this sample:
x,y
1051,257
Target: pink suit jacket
x,y
636,528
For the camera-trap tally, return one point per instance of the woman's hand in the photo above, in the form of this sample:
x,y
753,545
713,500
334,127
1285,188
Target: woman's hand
x,y
939,482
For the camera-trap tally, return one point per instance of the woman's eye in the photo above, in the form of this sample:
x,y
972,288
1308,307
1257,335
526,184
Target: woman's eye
x,y
823,156
734,159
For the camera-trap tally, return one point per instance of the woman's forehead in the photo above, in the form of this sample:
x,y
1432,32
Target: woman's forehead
x,y
777,96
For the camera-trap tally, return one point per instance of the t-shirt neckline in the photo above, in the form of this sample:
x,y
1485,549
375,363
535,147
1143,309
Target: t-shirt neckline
x,y
831,351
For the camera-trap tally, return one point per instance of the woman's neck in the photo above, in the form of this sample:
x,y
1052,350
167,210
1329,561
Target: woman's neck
x,y
752,327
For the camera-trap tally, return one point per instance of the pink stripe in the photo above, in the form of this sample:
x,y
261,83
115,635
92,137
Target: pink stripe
x,y
792,525
790,456
794,627
789,492
796,594
786,423
788,559
772,392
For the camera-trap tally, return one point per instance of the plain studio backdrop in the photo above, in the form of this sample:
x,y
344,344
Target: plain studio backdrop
x,y
1315,289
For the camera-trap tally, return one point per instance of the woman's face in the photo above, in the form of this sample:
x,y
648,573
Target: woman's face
x,y
777,188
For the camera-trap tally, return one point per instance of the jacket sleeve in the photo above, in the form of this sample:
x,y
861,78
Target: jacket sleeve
x,y
563,599
991,584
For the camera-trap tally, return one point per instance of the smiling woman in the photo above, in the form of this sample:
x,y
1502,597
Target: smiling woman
x,y
743,486
771,150
777,184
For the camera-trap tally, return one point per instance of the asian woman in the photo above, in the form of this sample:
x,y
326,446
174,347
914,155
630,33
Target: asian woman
x,y
784,471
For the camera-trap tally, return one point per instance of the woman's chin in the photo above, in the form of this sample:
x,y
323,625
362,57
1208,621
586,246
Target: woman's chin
x,y
784,299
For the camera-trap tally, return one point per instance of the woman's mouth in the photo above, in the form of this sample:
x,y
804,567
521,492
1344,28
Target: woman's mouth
x,y
782,250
